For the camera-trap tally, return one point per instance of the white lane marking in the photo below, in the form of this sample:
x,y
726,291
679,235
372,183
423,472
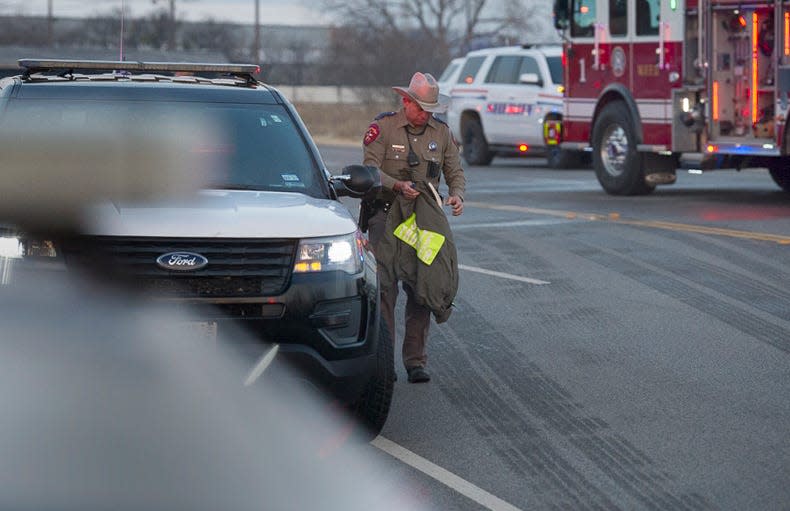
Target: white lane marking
x,y
261,366
517,223
442,475
502,275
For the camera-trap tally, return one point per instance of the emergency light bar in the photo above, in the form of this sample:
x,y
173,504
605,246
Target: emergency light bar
x,y
38,65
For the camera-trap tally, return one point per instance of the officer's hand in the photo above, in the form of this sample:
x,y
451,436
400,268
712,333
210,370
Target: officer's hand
x,y
456,203
406,188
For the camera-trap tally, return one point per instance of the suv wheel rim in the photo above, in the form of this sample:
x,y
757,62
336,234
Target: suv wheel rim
x,y
614,150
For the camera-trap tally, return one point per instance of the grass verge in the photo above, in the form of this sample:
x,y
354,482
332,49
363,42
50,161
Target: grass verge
x,y
339,123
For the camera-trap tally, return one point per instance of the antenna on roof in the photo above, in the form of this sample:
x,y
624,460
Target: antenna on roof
x,y
123,11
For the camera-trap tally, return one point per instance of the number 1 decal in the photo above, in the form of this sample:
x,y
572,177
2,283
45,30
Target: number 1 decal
x,y
582,76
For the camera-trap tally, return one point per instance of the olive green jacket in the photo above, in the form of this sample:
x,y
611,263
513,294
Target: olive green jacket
x,y
436,284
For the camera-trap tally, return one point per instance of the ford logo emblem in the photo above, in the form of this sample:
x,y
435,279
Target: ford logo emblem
x,y
181,261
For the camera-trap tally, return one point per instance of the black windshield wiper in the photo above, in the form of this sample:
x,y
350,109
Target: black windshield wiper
x,y
239,187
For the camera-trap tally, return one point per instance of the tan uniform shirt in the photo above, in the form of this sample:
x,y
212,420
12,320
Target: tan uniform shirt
x,y
386,146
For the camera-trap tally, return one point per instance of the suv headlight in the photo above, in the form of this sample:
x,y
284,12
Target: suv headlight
x,y
11,247
40,248
330,254
15,248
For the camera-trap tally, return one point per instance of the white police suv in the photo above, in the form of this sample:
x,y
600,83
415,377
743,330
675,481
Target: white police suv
x,y
500,98
267,245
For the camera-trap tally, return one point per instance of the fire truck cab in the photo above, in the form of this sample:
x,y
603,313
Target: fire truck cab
x,y
651,85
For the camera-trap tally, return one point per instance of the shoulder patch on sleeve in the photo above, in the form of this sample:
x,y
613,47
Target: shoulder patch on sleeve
x,y
372,134
383,115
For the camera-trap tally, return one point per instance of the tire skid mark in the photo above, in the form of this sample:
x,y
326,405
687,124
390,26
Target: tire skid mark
x,y
741,255
600,450
498,252
666,281
592,437
765,296
759,293
615,458
549,473
546,472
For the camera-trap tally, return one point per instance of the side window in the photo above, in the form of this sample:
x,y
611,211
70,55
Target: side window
x,y
530,65
618,17
470,69
583,18
647,17
504,69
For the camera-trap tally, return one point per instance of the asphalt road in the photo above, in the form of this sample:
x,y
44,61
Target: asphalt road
x,y
606,352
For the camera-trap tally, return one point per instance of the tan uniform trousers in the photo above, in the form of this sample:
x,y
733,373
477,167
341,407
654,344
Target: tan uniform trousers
x,y
418,318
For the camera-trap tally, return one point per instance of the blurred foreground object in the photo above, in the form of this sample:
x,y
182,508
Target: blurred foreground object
x,y
106,406
188,314
52,171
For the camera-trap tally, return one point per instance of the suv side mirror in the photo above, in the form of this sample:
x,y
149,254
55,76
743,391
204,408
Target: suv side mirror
x,y
356,181
529,78
561,14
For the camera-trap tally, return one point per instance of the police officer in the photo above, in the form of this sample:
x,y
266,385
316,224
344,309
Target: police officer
x,y
411,145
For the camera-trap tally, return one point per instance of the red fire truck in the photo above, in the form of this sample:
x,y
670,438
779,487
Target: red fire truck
x,y
653,85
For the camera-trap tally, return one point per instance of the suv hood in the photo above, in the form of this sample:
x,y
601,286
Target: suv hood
x,y
224,214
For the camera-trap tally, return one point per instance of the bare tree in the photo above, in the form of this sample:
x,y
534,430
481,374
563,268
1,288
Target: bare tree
x,y
211,35
153,31
381,42
449,26
23,30
365,56
102,31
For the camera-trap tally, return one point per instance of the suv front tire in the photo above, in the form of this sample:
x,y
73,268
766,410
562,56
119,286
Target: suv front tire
x,y
475,146
374,404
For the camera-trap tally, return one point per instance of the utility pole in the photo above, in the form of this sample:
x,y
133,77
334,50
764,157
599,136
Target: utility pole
x,y
172,35
50,23
257,46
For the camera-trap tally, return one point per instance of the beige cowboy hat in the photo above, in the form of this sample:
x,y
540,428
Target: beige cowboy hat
x,y
425,91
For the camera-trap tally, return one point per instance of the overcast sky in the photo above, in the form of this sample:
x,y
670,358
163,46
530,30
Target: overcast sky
x,y
273,12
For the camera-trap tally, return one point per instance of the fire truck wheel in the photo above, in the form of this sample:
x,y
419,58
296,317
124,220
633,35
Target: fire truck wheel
x,y
780,172
617,163
475,150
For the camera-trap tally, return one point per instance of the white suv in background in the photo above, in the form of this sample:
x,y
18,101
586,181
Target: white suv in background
x,y
500,98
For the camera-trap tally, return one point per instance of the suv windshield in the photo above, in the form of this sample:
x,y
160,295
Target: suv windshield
x,y
448,71
260,146
555,69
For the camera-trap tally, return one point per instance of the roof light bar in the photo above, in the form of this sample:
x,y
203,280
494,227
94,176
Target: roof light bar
x,y
34,65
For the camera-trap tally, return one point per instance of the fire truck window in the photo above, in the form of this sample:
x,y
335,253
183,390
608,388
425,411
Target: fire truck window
x,y
504,69
555,69
618,17
471,67
583,18
647,17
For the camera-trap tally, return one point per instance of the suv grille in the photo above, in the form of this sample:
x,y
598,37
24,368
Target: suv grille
x,y
236,268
